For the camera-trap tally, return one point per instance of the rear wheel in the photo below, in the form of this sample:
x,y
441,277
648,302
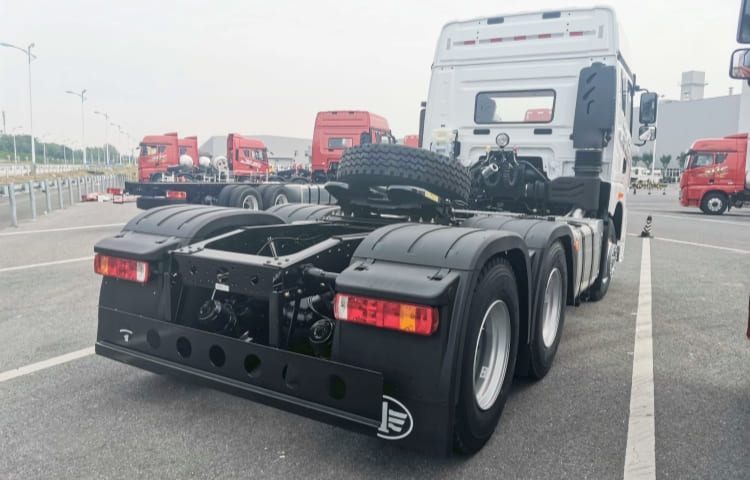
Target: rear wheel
x,y
714,203
224,195
550,312
246,197
607,264
489,356
274,195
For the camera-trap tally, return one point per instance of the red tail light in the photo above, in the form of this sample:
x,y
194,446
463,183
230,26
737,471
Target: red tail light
x,y
176,194
406,317
114,191
748,319
133,270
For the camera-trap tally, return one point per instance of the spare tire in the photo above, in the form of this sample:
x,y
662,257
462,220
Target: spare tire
x,y
385,164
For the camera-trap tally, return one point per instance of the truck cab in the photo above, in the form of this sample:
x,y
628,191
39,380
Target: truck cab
x,y
248,158
338,130
714,179
557,86
157,153
189,146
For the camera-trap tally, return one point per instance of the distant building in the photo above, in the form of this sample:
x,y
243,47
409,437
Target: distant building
x,y
282,151
680,123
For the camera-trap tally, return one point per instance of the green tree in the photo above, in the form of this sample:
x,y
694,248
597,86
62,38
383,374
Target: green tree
x,y
664,160
635,160
646,159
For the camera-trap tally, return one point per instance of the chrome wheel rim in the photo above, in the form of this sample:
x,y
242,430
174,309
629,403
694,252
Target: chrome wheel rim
x,y
281,200
552,307
250,203
491,354
715,204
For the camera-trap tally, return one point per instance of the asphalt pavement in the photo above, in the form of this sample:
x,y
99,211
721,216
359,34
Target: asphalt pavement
x,y
96,418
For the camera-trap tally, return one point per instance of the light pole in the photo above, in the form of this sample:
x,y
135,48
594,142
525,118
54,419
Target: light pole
x,y
15,153
119,131
65,141
83,99
30,56
43,138
106,144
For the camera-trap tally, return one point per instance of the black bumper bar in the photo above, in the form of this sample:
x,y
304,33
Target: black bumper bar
x,y
328,391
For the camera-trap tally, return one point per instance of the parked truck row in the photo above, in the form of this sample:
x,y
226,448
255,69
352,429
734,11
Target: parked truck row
x,y
406,310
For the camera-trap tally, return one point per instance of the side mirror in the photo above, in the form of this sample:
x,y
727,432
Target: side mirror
x,y
647,133
647,113
740,64
743,27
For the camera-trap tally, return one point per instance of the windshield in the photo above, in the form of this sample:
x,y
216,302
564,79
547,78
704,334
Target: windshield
x,y
527,106
147,150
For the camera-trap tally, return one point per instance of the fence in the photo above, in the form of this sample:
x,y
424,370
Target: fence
x,y
53,193
23,169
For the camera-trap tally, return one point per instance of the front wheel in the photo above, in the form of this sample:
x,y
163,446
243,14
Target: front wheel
x,y
607,264
489,356
714,203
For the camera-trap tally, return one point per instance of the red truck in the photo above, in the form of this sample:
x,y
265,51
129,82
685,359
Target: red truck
x,y
411,140
247,158
160,155
158,152
338,130
717,177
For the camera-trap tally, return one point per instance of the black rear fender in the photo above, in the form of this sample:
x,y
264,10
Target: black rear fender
x,y
432,265
152,233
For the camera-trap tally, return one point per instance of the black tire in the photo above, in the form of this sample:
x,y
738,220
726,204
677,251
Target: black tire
x,y
714,203
274,195
275,178
298,179
246,197
607,263
155,177
496,294
384,164
224,195
318,176
549,316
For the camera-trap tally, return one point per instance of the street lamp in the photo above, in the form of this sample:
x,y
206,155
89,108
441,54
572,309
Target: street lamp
x,y
15,153
30,56
119,128
106,143
83,99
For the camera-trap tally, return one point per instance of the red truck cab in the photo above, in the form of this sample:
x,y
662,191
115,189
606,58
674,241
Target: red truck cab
x,y
411,140
714,179
189,146
338,130
248,158
157,153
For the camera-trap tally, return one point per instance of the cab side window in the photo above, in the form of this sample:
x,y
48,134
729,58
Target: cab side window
x,y
720,157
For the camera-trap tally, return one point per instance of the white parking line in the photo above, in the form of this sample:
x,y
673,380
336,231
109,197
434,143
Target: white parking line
x,y
66,229
640,452
692,218
695,244
47,264
35,367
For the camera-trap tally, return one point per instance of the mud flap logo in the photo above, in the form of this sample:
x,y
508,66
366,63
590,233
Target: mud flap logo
x,y
396,421
126,334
